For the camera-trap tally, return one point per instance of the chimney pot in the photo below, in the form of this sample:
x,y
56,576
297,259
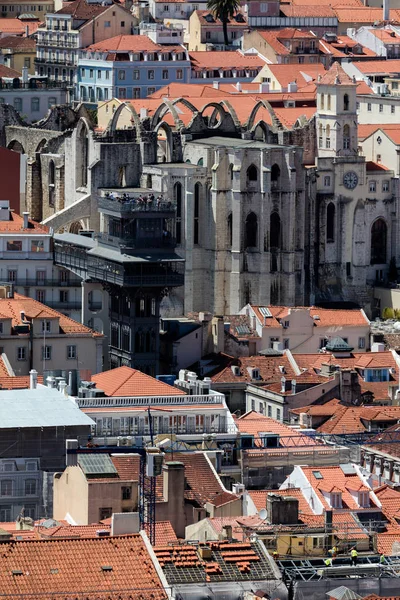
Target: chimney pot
x,y
26,219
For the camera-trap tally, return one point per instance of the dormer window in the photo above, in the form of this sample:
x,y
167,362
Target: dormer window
x,y
336,499
46,326
363,499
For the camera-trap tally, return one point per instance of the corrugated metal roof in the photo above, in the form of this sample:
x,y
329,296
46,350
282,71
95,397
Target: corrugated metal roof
x,y
42,407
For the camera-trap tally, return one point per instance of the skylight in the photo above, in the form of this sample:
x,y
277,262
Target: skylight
x,y
317,474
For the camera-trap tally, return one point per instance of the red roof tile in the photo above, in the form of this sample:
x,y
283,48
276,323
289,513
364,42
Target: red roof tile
x,y
125,381
225,59
7,72
328,317
164,533
18,27
16,222
348,13
334,477
336,76
305,10
17,43
81,10
269,368
70,567
253,423
132,43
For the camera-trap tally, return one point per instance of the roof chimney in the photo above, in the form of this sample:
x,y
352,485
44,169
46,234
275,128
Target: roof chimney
x,y
124,523
216,85
283,385
386,10
33,379
293,386
26,219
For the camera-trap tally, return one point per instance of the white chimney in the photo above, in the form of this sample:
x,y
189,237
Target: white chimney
x,y
239,86
33,379
62,385
50,382
386,12
292,87
283,385
69,388
22,313
293,386
124,523
26,219
216,85
25,75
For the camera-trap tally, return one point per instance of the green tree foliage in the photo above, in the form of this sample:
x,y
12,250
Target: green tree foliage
x,y
224,10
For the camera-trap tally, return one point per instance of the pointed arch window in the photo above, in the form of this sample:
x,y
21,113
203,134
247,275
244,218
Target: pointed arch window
x,y
378,242
320,138
346,102
328,136
252,174
178,202
346,137
251,231
275,231
230,235
330,222
322,101
329,102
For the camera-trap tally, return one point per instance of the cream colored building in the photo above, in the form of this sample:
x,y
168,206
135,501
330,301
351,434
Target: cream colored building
x,y
14,8
383,147
83,498
34,336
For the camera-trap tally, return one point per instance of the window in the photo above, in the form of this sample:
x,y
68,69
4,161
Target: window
x,y
346,102
361,343
41,296
18,104
150,74
30,487
278,414
363,499
165,74
179,74
107,74
107,23
327,181
166,8
261,408
318,542
46,326
329,102
98,74
12,275
330,222
52,101
21,353
378,242
71,352
269,410
252,174
393,109
31,465
27,62
37,246
150,90
46,352
91,73
253,404
30,511
336,500
275,231
322,101
121,75
136,93
208,35
385,186
126,338
5,513
104,513
83,72
251,230
372,186
320,138
126,493
369,107
381,108
136,74
6,488
35,104
346,137
328,136
122,23
14,246
264,7
196,223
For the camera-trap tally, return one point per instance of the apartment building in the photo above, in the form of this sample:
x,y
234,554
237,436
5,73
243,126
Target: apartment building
x,y
14,8
129,66
77,25
26,263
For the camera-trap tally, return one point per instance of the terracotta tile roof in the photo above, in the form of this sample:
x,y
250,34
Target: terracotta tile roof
x,y
81,10
17,27
393,448
17,43
327,317
164,533
225,60
65,530
332,3
125,381
267,365
373,166
128,467
385,543
11,308
375,360
232,22
132,43
345,47
16,222
259,498
334,477
289,116
274,37
316,11
336,76
386,36
226,90
348,13
253,423
70,567
7,72
390,499
371,67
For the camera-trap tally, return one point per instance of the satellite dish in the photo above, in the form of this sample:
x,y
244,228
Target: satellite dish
x,y
263,514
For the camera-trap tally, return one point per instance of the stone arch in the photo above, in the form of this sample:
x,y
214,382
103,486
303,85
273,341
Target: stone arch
x,y
76,227
16,146
260,131
218,113
41,145
82,154
166,106
112,127
166,150
232,112
256,108
379,237
275,173
252,174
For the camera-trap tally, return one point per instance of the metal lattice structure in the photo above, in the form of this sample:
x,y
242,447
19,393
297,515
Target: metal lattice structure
x,y
147,501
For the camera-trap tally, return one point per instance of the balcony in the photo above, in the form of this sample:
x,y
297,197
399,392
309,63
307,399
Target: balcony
x,y
165,278
132,205
135,243
47,283
145,401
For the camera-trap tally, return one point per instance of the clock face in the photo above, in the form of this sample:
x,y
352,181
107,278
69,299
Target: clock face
x,y
350,180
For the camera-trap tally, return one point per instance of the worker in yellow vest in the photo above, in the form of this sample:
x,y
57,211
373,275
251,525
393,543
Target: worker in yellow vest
x,y
329,562
354,556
